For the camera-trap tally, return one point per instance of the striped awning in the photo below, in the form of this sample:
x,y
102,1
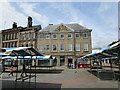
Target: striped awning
x,y
27,57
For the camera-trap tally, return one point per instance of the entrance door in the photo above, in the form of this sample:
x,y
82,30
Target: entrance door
x,y
69,60
62,60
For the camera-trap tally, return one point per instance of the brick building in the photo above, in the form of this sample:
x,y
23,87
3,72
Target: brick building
x,y
66,42
20,36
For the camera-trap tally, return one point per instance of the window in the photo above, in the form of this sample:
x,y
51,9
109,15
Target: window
x,y
40,48
41,36
54,36
27,36
69,47
69,35
47,36
47,47
62,36
85,46
54,47
8,36
10,44
13,44
13,36
62,47
77,47
77,35
85,35
16,35
5,37
22,36
32,35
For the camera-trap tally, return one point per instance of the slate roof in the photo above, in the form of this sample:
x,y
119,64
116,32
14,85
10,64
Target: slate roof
x,y
73,27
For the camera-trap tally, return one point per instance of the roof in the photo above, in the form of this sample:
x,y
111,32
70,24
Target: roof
x,y
37,27
21,51
73,27
109,51
28,57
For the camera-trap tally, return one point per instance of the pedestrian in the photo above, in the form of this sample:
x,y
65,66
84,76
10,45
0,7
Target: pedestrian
x,y
72,65
23,71
69,65
11,71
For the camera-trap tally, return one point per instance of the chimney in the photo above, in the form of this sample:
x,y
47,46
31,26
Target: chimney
x,y
14,25
29,22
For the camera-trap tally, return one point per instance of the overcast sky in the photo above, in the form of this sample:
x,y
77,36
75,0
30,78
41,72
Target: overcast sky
x,y
101,17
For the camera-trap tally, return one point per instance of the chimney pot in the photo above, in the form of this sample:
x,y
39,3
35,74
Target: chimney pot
x,y
29,21
14,25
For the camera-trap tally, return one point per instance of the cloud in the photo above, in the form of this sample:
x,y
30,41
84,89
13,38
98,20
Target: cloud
x,y
103,7
9,15
103,26
29,9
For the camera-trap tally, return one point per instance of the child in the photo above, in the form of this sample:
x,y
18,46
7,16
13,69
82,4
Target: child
x,y
11,71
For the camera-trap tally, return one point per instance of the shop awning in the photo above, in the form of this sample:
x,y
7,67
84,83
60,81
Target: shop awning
x,y
21,51
27,57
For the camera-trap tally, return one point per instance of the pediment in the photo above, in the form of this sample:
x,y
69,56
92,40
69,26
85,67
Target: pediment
x,y
63,28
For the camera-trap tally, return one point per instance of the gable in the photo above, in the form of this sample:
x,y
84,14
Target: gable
x,y
63,28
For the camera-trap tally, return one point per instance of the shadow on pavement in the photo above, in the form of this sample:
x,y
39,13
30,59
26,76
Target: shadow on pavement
x,y
12,84
50,71
105,74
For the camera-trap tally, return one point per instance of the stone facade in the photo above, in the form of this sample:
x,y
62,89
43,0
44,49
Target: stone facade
x,y
66,42
20,36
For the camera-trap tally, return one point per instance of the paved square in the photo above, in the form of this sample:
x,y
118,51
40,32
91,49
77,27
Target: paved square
x,y
67,78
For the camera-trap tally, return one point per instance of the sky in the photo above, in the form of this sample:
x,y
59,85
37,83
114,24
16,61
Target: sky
x,y
101,17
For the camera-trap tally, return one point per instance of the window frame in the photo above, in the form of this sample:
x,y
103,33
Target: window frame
x,y
62,37
86,35
27,36
47,35
62,48
70,47
86,46
53,36
53,47
41,37
76,34
69,34
76,47
40,49
47,47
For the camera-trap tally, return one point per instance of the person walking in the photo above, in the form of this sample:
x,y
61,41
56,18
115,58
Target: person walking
x,y
11,71
24,71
